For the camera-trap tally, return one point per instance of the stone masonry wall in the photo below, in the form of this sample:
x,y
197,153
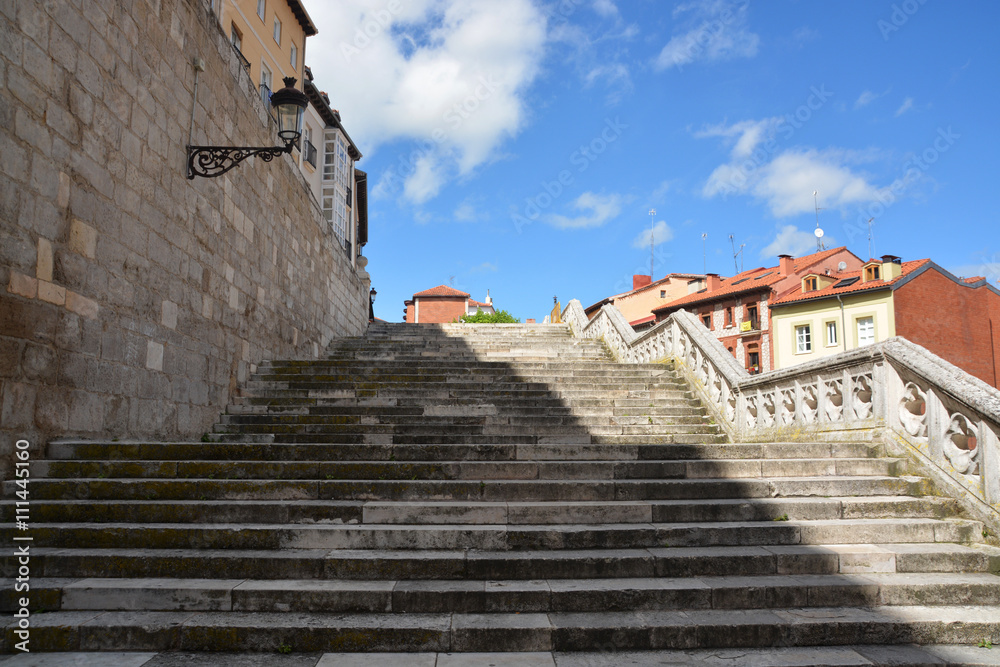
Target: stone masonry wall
x,y
133,301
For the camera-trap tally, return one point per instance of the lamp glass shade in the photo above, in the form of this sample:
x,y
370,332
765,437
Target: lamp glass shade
x,y
372,294
290,103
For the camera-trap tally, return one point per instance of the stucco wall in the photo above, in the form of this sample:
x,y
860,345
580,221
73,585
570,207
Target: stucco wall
x,y
133,300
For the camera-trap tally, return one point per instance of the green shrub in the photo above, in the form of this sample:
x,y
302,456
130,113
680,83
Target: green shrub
x,y
499,317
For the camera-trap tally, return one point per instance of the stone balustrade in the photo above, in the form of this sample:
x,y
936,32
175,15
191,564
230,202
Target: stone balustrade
x,y
942,418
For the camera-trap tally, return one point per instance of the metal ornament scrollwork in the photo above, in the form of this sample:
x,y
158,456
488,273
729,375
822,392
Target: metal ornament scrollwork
x,y
913,410
960,445
212,161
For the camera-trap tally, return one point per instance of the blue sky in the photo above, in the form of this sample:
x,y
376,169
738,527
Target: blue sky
x,y
519,145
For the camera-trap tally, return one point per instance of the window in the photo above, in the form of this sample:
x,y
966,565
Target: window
x,y
803,339
707,320
663,294
831,334
871,272
809,284
729,316
277,30
752,316
236,38
265,83
294,60
866,330
260,8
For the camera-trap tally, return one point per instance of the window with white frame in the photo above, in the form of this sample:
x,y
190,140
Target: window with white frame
x,y
236,38
294,59
277,30
803,339
338,169
265,81
831,334
866,330
261,6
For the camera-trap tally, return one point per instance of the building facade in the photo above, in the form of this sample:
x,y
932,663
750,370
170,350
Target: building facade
x,y
959,320
269,37
737,310
443,304
637,304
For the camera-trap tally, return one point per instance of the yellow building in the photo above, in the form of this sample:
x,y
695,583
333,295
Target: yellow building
x,y
826,315
637,304
270,36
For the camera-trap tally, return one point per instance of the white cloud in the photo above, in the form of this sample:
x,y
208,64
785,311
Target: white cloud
x,y
596,209
905,106
605,8
449,74
713,30
485,267
791,240
785,180
865,98
661,233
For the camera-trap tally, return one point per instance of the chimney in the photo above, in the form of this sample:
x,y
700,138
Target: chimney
x,y
714,281
641,281
785,264
892,267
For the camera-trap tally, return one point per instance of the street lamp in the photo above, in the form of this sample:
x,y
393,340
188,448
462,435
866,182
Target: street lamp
x,y
371,305
212,161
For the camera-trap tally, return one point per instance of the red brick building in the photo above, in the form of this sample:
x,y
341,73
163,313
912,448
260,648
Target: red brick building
x,y
443,304
956,319
736,309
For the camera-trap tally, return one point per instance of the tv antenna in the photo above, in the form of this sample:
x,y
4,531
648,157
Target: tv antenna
x,y
818,232
652,241
736,254
704,255
871,237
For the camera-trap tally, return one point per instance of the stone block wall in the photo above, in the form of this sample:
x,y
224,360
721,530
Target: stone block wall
x,y
133,301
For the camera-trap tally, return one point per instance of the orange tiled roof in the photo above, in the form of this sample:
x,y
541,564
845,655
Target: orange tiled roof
x,y
642,320
442,290
796,295
479,304
751,280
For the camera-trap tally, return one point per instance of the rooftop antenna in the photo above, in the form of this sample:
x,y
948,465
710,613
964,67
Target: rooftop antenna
x,y
871,237
704,255
652,241
818,232
736,254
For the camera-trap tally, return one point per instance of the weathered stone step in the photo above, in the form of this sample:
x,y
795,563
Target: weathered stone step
x,y
464,470
560,631
478,512
489,490
508,537
512,596
521,565
683,409
459,415
457,428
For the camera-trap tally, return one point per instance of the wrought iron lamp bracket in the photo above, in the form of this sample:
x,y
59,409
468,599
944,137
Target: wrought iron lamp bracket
x,y
212,161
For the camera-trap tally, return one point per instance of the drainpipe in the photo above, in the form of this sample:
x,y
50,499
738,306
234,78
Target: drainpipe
x,y
843,322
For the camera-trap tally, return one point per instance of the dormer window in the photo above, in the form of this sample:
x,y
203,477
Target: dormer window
x,y
873,272
809,284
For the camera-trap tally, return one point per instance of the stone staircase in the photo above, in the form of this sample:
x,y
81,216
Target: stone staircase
x,y
472,488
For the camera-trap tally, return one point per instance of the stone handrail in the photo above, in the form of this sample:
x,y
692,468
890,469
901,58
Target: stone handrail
x,y
917,403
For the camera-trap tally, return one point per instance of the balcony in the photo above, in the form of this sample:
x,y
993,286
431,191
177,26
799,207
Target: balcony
x,y
243,58
309,154
750,326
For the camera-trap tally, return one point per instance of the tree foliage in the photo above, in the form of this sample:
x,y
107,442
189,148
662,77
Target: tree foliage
x,y
499,317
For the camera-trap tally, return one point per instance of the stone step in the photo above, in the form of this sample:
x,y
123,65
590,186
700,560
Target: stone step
x,y
450,429
465,470
466,490
511,596
189,451
456,632
479,512
522,565
685,409
487,416
505,537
